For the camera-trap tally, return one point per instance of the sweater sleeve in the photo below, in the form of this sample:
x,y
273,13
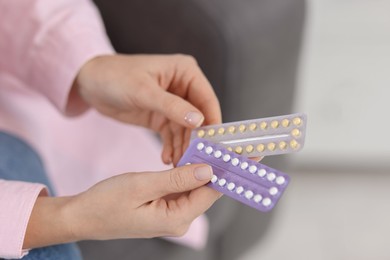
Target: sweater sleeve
x,y
44,43
17,200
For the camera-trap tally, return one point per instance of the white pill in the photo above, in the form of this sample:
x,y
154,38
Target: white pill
x,y
280,180
214,179
235,161
273,191
267,202
244,165
257,198
252,169
248,194
271,176
209,149
226,158
222,182
261,172
188,163
217,154
231,186
200,146
239,190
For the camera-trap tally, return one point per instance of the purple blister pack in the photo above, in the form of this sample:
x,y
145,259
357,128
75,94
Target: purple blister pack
x,y
236,176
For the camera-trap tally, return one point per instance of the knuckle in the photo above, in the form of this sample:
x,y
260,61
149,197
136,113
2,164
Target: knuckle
x,y
177,180
185,58
179,230
171,105
190,59
138,96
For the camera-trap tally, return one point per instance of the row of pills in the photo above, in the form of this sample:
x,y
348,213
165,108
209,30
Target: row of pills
x,y
270,176
297,121
248,194
294,144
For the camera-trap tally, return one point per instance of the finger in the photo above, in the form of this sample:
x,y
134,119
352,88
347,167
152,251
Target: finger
x,y
191,83
178,139
187,137
166,137
174,108
176,180
201,95
257,159
182,146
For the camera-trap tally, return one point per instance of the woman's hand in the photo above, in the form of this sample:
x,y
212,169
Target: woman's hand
x,y
131,205
166,93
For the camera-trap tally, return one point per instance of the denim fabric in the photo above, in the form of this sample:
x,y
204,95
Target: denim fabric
x,y
18,161
58,252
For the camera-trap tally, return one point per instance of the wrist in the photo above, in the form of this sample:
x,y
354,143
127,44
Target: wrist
x,y
73,211
51,222
78,99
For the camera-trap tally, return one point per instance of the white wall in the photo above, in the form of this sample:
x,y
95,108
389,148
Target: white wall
x,y
339,206
345,84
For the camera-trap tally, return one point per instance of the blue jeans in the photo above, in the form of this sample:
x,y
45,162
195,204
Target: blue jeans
x,y
18,161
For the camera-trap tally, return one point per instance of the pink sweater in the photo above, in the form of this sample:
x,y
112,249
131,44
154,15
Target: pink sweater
x,y
43,44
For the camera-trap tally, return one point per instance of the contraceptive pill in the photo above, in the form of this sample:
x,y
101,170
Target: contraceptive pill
x,y
258,137
237,176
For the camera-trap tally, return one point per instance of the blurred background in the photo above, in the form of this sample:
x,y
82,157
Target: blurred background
x,y
327,58
338,204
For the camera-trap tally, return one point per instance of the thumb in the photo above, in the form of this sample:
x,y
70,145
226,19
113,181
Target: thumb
x,y
181,179
175,108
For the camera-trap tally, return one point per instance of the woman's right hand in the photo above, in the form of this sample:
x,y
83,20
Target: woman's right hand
x,y
130,205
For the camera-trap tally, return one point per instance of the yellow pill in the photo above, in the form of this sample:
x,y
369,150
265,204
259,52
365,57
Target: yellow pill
x,y
201,133
260,147
297,121
221,131
229,149
285,122
252,127
295,132
249,148
263,125
282,145
294,144
274,124
242,128
211,132
232,129
238,149
271,146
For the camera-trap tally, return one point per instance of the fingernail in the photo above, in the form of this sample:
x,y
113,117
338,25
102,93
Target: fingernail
x,y
257,159
194,118
168,160
203,173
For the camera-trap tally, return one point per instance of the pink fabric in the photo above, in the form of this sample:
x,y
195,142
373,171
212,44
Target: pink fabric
x,y
43,43
16,197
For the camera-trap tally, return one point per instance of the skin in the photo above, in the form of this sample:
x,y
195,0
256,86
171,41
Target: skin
x,y
130,205
153,91
165,93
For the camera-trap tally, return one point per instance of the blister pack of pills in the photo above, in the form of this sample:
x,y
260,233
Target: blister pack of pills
x,y
258,137
237,176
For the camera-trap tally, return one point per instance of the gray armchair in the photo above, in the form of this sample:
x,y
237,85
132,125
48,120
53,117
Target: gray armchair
x,y
249,51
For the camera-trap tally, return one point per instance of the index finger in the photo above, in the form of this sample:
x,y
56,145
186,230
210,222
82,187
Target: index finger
x,y
201,94
195,88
